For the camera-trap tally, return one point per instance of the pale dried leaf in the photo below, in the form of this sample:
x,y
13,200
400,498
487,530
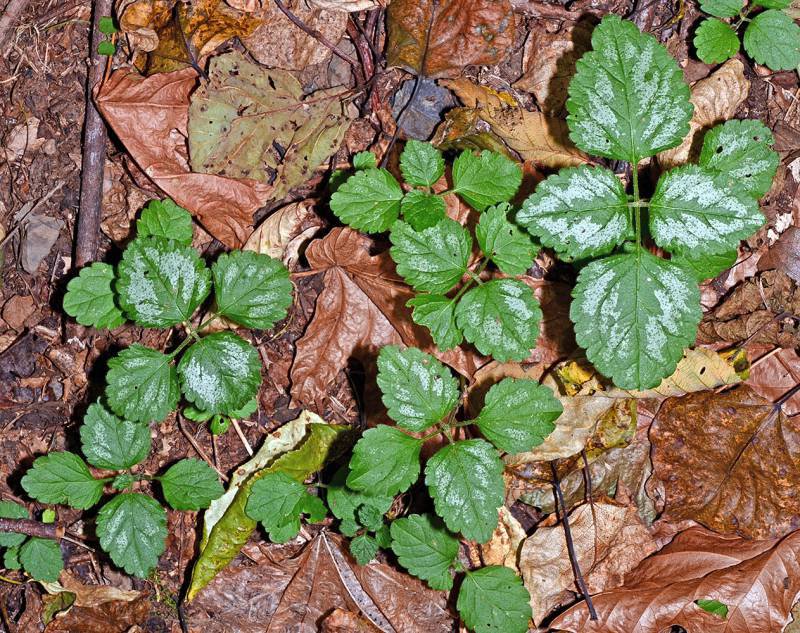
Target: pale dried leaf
x,y
503,547
283,234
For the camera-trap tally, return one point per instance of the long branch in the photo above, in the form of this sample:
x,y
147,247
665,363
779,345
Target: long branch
x,y
32,528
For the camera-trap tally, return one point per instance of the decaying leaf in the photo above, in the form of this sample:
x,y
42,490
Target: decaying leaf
x,y
774,375
503,547
294,586
437,38
252,122
716,99
361,309
284,233
294,49
784,254
149,116
610,540
730,461
758,581
530,135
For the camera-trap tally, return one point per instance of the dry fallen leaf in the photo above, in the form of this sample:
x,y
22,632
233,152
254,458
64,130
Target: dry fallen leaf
x,y
716,99
609,539
351,6
285,232
758,581
503,547
292,587
149,116
23,140
730,461
784,254
361,309
444,36
775,375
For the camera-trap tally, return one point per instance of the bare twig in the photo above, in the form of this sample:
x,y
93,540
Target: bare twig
x,y
94,151
246,444
200,450
315,34
31,210
32,528
576,568
10,19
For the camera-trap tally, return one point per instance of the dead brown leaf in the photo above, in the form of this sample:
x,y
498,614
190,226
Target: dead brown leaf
x,y
439,38
784,254
728,461
361,309
773,376
294,586
716,99
609,539
758,581
150,116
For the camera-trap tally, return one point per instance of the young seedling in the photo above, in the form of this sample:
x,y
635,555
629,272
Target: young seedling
x,y
635,312
161,282
131,526
434,253
772,37
106,46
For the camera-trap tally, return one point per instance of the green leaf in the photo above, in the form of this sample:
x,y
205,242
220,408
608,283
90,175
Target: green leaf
x,y
493,599
123,481
465,480
190,484
715,41
518,415
502,242
438,314
385,461
432,260
11,510
364,160
41,558
773,4
106,48
485,179
132,528
314,508
111,443
285,532
421,163
244,412
49,516
349,527
251,289
383,536
370,517
705,266
369,201
773,40
344,502
363,548
628,99
160,282
106,25
425,548
740,151
11,558
501,318
142,384
62,477
647,309
713,606
422,210
417,389
692,210
90,298
220,373
165,219
722,8
274,501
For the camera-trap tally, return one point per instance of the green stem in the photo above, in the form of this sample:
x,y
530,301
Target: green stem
x,y
208,321
183,344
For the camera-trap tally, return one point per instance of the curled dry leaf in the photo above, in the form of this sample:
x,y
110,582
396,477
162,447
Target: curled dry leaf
x,y
715,99
89,595
150,116
437,38
758,581
313,578
503,547
294,49
361,309
610,540
730,461
285,232
531,135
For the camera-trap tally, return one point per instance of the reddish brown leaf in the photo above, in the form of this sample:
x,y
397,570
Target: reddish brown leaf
x,y
361,309
757,580
456,33
293,587
150,117
729,461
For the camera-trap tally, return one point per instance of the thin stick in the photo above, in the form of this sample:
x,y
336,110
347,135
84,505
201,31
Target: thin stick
x,y
32,528
199,449
10,19
576,568
94,152
238,430
587,478
41,201
315,34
